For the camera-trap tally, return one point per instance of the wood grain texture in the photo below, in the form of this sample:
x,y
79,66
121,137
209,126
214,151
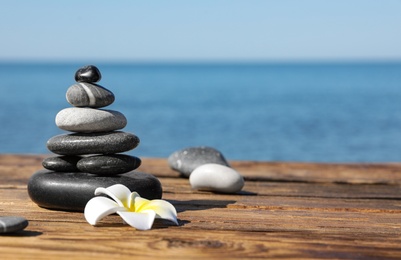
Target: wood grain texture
x,y
286,210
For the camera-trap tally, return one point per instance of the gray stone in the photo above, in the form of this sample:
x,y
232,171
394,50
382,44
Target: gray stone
x,y
217,178
89,95
67,163
72,190
87,120
11,224
89,73
109,164
93,143
186,160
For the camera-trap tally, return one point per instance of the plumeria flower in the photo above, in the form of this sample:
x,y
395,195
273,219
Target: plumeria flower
x,y
134,210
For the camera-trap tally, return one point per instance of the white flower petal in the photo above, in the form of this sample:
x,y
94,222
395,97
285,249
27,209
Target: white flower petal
x,y
141,221
100,207
162,208
138,212
132,205
117,192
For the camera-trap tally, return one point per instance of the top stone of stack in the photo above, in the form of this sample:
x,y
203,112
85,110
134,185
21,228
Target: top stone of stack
x,y
85,93
89,74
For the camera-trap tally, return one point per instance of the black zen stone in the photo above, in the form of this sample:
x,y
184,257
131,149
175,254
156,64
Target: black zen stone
x,y
186,160
67,163
71,191
92,143
12,224
109,164
88,73
89,95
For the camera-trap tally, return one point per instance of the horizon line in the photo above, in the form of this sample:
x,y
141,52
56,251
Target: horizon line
x,y
199,61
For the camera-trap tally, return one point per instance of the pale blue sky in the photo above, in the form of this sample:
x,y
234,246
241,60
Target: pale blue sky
x,y
217,30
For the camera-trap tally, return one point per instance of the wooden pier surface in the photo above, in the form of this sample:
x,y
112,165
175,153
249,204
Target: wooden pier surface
x,y
286,210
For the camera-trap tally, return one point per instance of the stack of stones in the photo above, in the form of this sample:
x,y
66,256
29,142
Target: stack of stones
x,y
94,131
91,156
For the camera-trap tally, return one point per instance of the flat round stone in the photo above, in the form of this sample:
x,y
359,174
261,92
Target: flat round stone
x,y
89,95
109,164
89,73
71,191
87,120
186,160
67,163
11,224
216,177
93,143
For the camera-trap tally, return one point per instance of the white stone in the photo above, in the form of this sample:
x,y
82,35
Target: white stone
x,y
87,120
216,177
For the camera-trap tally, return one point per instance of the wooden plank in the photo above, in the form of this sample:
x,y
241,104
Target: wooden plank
x,y
287,210
366,173
118,242
378,173
19,166
289,189
207,230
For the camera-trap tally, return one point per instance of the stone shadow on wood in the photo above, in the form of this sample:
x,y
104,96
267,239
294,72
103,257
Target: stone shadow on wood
x,y
185,205
22,233
157,224
189,205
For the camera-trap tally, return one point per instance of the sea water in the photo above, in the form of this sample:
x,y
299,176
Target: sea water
x,y
331,112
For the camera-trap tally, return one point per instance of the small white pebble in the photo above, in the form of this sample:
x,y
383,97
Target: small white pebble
x,y
216,177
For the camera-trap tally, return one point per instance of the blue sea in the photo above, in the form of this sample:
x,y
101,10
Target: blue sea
x,y
309,112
